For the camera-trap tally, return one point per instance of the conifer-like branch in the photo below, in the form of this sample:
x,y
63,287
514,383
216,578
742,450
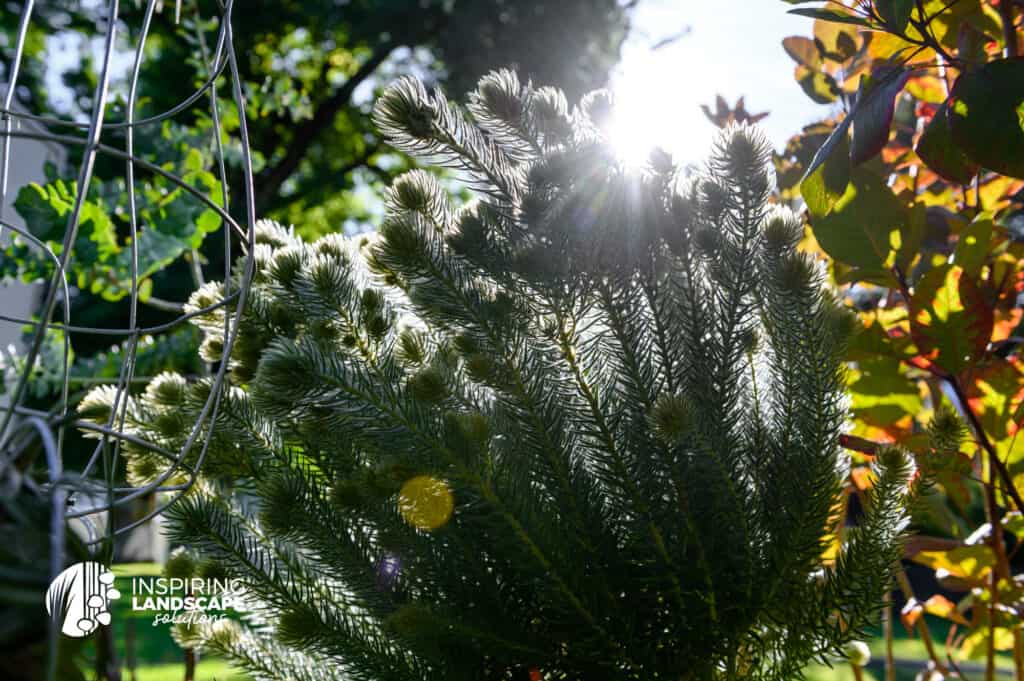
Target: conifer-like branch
x,y
586,425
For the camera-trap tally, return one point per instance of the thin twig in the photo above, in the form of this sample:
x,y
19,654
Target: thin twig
x,y
921,625
1010,48
165,305
982,436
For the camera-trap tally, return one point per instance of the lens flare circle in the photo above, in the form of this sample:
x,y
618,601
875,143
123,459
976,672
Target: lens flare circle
x,y
425,502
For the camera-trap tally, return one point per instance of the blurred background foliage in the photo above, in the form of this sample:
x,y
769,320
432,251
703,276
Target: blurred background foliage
x,y
311,71
913,189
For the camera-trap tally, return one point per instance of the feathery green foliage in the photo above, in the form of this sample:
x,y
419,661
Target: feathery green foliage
x,y
585,427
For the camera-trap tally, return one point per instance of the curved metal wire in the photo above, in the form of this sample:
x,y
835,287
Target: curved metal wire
x,y
23,429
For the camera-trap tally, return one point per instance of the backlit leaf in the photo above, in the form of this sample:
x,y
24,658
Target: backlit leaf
x,y
970,563
818,85
947,18
927,88
995,393
1013,522
911,613
977,643
972,246
802,50
950,320
863,228
838,41
881,396
940,606
827,184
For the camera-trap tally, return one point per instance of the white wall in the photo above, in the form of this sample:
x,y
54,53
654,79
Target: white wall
x,y
25,165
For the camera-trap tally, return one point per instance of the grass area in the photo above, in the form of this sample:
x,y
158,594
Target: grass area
x,y
904,649
206,670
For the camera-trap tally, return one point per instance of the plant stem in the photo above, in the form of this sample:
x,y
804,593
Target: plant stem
x,y
890,662
922,625
197,269
1010,48
1002,568
1002,571
979,432
1018,655
161,304
190,664
990,652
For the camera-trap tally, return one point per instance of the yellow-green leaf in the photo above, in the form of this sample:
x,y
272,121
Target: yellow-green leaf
x,y
863,229
950,320
972,247
970,563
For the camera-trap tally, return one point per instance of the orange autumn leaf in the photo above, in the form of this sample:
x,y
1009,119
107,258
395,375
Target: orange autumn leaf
x,y
940,606
1005,322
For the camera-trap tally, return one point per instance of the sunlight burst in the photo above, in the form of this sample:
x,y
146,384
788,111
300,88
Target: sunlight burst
x,y
631,137
635,129
653,111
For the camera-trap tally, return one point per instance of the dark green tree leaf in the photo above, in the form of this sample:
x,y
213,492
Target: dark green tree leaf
x,y
825,150
972,246
937,148
831,15
896,13
873,116
986,115
877,104
43,208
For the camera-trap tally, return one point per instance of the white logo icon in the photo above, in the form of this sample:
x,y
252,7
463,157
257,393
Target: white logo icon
x,y
81,595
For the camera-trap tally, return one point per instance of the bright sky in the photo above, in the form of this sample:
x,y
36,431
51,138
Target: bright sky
x,y
733,48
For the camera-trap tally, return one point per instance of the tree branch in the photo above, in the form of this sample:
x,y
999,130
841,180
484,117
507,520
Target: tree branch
x,y
1009,29
270,180
979,432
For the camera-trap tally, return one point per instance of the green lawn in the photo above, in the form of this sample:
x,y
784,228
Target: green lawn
x,y
206,670
904,649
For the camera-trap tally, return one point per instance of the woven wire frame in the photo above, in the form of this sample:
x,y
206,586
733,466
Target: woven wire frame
x,y
22,428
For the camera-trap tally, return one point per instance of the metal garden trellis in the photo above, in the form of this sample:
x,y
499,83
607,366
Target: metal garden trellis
x,y
21,427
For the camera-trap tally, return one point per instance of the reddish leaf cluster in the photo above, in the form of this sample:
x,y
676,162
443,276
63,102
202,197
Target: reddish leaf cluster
x,y
914,193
